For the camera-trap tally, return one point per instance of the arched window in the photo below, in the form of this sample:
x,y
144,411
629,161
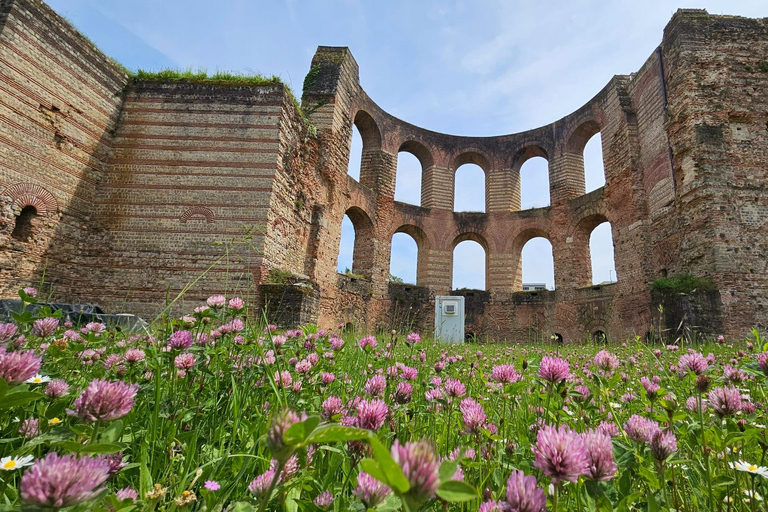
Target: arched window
x,y
347,246
534,183
355,154
594,171
408,181
538,265
403,261
469,189
22,229
469,265
601,254
356,245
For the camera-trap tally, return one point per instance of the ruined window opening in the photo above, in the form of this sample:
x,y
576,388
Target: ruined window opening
x,y
355,154
594,169
469,261
534,183
601,254
403,260
22,229
346,246
408,179
469,189
557,338
538,264
599,337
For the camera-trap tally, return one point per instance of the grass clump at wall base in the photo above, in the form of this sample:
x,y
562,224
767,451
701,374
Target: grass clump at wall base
x,y
202,76
682,283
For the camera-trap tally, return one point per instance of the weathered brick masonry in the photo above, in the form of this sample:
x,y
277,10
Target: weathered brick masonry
x,y
124,192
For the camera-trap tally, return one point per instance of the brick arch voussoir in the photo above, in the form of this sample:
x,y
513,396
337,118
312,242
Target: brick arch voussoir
x,y
419,150
31,194
419,235
203,211
583,129
528,150
528,234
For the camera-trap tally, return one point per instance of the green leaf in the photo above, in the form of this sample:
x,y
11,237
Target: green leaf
x,y
20,398
243,506
394,475
623,505
598,494
371,467
3,387
649,477
298,433
335,433
99,448
448,469
455,491
113,432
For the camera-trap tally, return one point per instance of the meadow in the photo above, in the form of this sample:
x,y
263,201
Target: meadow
x,y
218,411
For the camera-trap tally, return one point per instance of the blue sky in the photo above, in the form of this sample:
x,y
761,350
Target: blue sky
x,y
485,67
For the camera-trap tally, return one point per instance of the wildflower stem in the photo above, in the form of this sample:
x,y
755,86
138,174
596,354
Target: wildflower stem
x,y
94,433
705,452
272,485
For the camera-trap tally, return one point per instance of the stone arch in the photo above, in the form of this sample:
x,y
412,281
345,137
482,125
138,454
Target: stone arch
x,y
518,244
409,182
520,158
472,157
418,150
369,130
422,246
577,142
474,237
481,161
580,252
363,249
30,194
202,211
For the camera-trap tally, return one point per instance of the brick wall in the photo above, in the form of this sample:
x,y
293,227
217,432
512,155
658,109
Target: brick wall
x,y
59,102
144,189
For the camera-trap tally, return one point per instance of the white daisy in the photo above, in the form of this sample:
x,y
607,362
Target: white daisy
x,y
11,463
750,494
749,468
38,379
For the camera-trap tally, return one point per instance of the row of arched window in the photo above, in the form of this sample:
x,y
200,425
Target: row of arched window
x,y
469,259
469,194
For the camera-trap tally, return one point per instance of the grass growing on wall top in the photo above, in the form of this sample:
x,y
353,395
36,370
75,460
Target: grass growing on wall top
x,y
202,76
682,283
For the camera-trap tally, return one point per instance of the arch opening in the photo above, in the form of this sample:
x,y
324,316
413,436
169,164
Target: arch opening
x,y
602,255
408,178
22,228
469,188
355,154
403,260
599,337
594,168
534,183
469,265
356,244
538,266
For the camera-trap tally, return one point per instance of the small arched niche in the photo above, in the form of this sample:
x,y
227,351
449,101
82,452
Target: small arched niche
x,y
23,224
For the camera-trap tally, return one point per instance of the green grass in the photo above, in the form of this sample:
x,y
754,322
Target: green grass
x,y
201,76
682,283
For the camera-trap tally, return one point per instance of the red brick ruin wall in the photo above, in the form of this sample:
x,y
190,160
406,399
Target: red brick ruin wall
x,y
143,189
